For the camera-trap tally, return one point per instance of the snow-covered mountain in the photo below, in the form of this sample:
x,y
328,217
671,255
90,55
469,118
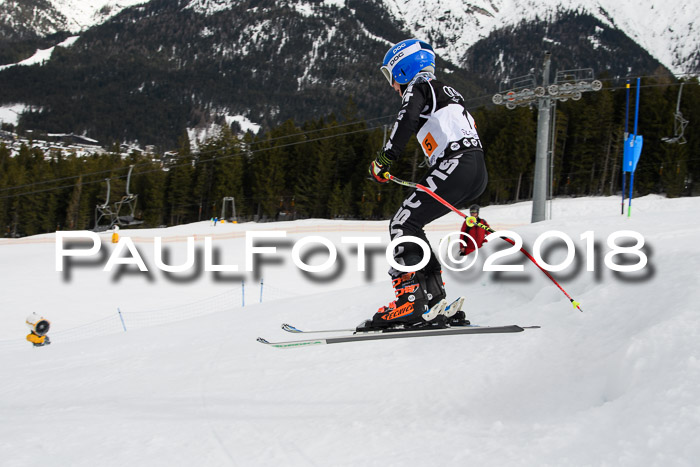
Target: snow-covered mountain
x,y
292,59
82,14
665,28
44,17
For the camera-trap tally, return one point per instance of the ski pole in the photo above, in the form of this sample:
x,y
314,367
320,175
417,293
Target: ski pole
x,y
471,222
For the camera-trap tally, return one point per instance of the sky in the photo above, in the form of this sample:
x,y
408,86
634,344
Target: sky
x,y
187,383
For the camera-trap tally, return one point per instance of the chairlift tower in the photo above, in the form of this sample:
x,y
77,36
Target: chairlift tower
x,y
232,200
524,91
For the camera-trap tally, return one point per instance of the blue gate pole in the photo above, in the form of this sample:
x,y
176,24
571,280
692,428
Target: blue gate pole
x,y
624,177
261,289
629,209
627,119
121,318
636,120
627,109
636,107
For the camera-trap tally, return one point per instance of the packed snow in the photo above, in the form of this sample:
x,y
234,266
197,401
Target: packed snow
x,y
617,384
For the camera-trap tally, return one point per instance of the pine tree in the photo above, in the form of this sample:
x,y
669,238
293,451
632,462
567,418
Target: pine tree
x,y
151,188
72,211
5,162
229,171
336,206
267,166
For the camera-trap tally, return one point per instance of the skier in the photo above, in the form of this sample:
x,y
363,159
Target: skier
x,y
476,233
435,112
38,327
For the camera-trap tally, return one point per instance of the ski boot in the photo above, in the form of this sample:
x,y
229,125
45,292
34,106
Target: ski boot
x,y
435,290
409,311
452,314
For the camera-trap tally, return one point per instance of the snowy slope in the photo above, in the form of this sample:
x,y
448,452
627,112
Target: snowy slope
x,y
42,55
618,384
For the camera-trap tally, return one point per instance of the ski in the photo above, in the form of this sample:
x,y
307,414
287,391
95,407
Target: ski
x,y
295,330
378,335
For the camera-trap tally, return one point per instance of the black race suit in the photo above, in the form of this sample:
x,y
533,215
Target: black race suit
x,y
435,113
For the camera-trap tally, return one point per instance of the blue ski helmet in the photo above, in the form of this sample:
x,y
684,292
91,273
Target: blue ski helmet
x,y
406,59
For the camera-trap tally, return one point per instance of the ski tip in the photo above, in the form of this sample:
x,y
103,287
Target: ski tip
x,y
290,328
262,341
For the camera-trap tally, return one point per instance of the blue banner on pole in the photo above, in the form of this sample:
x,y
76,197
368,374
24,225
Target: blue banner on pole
x,y
633,151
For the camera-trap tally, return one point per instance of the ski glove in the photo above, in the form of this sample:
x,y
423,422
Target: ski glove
x,y
379,168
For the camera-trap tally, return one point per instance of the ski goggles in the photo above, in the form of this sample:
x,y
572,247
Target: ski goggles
x,y
387,74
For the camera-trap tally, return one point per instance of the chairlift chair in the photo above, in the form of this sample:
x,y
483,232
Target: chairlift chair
x,y
104,212
129,199
679,124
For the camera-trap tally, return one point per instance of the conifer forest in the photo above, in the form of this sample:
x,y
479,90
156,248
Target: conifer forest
x,y
318,168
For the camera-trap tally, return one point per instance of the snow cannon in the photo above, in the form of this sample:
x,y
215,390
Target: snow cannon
x,y
38,325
